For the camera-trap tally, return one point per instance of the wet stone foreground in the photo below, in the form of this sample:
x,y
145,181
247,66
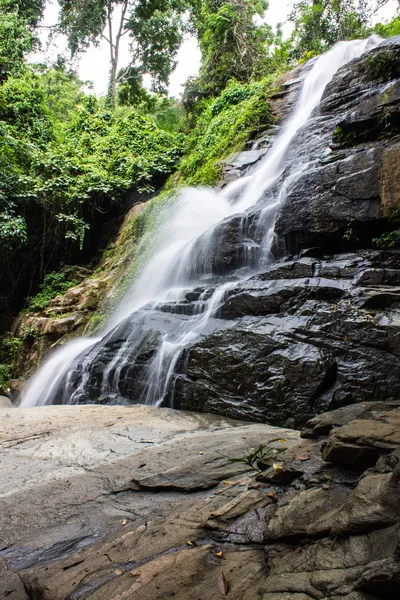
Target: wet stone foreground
x,y
135,502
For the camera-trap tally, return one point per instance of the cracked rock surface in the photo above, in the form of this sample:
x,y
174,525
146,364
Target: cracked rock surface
x,y
108,503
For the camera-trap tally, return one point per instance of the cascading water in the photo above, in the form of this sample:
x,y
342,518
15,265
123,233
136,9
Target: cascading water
x,y
139,352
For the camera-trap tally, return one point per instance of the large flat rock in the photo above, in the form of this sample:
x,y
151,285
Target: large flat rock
x,y
71,474
106,503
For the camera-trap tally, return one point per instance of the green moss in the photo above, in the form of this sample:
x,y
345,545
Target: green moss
x,y
96,322
381,66
344,138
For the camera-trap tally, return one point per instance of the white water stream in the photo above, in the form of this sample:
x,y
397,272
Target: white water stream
x,y
182,263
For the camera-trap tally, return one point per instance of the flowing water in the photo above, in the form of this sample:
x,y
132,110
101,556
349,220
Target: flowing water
x,y
136,356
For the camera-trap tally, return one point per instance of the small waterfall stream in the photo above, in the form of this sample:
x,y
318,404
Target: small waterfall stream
x,y
150,330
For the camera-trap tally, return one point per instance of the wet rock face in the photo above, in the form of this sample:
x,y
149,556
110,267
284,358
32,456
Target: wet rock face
x,y
305,336
353,176
350,152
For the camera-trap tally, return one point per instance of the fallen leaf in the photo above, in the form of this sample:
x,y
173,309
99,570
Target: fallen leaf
x,y
303,458
282,441
201,453
124,522
277,467
109,424
228,482
219,554
190,544
118,571
273,496
223,585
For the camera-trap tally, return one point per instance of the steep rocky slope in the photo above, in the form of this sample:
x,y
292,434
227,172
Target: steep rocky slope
x,y
142,502
309,333
85,306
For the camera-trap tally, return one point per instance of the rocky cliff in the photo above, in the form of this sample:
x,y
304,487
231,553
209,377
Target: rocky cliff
x,y
132,501
317,329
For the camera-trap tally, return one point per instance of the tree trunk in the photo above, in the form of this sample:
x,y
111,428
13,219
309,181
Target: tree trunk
x,y
114,50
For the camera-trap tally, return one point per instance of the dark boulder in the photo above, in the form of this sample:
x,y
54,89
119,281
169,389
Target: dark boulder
x,y
297,346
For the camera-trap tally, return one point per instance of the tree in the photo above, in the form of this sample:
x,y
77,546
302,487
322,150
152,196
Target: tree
x,y
321,23
155,28
232,44
17,22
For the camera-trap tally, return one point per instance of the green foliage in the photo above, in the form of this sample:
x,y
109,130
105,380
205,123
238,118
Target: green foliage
x,y
258,458
54,284
343,137
157,29
167,113
9,349
226,123
12,231
388,240
319,24
380,66
15,41
62,89
5,375
388,29
65,161
23,107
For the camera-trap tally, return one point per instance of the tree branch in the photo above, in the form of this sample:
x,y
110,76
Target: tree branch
x,y
109,20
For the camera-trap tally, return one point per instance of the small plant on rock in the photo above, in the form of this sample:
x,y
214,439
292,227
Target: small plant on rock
x,y
259,458
381,66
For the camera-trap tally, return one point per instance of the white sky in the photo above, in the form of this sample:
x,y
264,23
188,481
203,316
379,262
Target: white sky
x,y
94,64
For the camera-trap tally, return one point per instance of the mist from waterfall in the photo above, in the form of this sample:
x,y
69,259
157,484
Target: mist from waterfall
x,y
182,262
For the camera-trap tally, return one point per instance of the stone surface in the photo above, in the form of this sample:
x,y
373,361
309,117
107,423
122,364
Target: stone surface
x,y
304,336
72,474
143,502
360,443
5,402
11,586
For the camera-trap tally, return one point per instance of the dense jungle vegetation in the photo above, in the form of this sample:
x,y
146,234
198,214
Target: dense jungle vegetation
x,y
71,162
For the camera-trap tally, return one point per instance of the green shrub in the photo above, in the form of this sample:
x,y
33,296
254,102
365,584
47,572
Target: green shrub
x,y
259,458
388,240
388,30
54,284
9,349
5,376
380,66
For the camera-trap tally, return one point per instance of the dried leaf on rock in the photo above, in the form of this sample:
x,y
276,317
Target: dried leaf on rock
x,y
223,585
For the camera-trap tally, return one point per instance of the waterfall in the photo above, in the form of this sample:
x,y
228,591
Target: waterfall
x,y
183,265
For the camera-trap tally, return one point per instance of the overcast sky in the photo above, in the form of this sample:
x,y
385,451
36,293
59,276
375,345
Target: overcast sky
x,y
94,64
